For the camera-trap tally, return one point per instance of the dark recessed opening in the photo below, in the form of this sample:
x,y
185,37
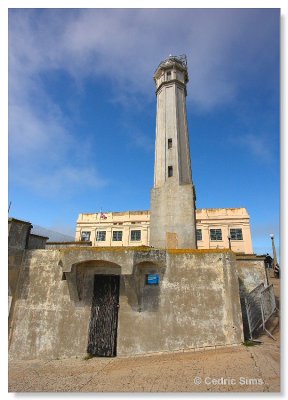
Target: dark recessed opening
x,y
169,143
170,171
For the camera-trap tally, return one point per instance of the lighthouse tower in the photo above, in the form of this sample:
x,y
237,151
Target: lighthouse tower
x,y
172,223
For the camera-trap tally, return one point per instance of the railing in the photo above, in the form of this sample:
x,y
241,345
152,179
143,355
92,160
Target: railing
x,y
260,306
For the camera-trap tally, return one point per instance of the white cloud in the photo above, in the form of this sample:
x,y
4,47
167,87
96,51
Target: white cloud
x,y
256,144
124,46
127,45
63,180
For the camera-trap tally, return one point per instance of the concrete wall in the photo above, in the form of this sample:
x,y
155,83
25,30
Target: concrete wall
x,y
196,304
37,242
251,272
172,215
61,245
18,233
18,236
46,323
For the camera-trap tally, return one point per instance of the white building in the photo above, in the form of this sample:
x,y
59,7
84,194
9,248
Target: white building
x,y
214,226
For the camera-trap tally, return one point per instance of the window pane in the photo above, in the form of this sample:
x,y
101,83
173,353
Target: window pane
x,y
236,234
215,234
117,236
199,234
85,236
101,236
136,235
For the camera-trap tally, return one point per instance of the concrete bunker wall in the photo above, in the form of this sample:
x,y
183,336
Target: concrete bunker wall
x,y
195,305
198,306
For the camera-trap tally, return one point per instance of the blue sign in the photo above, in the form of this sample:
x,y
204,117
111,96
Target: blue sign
x,y
152,279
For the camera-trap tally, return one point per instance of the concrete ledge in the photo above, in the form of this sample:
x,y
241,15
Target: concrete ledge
x,y
198,251
108,249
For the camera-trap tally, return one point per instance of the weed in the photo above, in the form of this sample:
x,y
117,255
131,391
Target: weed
x,y
249,343
88,357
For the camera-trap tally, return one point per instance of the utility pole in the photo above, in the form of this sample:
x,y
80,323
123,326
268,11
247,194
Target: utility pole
x,y
274,252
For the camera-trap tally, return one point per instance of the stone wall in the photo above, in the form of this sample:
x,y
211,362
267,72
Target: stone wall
x,y
196,304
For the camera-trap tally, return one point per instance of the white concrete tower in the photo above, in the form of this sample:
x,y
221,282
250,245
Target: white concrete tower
x,y
172,223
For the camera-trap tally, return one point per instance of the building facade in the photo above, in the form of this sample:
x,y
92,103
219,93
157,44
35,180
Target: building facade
x,y
215,228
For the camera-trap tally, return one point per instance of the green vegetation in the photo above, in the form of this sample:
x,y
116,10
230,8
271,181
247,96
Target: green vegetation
x,y
88,357
250,343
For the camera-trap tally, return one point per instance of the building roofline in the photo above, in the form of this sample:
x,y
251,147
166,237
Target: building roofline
x,y
19,221
34,234
222,208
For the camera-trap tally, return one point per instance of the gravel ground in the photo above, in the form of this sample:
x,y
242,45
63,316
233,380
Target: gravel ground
x,y
235,369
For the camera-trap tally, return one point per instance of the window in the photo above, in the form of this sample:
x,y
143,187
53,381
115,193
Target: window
x,y
215,234
135,235
236,234
198,234
169,143
168,75
85,236
170,171
101,236
152,279
117,236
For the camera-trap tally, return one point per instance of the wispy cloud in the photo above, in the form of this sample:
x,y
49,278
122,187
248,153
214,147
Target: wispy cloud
x,y
255,144
65,180
126,45
140,140
123,46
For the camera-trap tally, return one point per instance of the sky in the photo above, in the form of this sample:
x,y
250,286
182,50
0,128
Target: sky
x,y
82,111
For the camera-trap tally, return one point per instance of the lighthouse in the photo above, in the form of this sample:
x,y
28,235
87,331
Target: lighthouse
x,y
172,223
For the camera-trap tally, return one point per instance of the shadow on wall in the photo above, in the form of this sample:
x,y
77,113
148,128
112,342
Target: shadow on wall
x,y
81,279
142,287
243,294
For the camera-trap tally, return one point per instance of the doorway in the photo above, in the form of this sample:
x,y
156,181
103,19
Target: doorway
x,y
102,340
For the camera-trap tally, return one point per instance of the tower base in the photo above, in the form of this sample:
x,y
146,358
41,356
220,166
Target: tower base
x,y
172,220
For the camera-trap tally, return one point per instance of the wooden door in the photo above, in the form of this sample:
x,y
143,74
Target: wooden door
x,y
102,339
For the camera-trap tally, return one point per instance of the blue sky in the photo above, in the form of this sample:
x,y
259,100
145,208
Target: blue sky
x,y
82,110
